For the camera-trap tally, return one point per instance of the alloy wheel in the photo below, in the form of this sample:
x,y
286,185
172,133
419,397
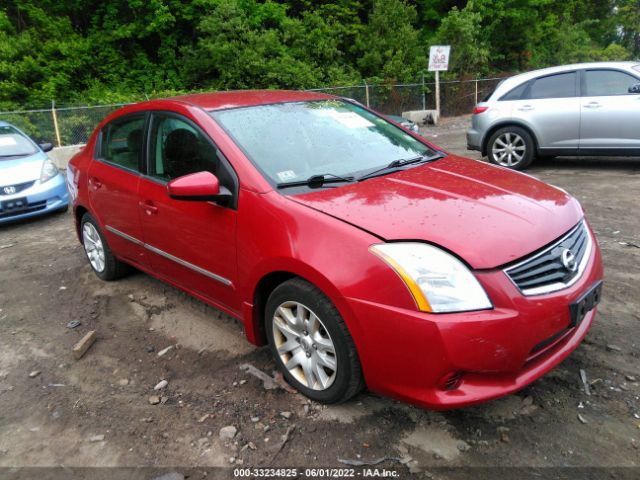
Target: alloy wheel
x,y
93,246
304,346
509,149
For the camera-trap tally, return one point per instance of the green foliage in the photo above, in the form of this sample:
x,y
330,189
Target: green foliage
x,y
462,30
112,51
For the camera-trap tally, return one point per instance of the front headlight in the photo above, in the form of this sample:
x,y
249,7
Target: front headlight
x,y
438,281
49,171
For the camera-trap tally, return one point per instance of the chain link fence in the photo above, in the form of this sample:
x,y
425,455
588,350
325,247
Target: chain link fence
x,y
66,126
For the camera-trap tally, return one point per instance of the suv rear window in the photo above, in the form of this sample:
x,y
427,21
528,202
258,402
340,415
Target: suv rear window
x,y
561,85
515,93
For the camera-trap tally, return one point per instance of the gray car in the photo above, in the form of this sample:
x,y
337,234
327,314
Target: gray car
x,y
582,109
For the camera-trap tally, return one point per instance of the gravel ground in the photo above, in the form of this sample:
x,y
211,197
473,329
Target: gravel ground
x,y
98,411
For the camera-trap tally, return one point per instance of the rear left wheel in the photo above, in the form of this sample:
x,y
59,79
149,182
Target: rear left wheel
x,y
311,343
511,147
102,260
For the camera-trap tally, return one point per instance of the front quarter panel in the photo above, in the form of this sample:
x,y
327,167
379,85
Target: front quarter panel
x,y
276,234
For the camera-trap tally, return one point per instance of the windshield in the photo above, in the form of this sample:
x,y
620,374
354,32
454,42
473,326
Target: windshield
x,y
291,142
13,143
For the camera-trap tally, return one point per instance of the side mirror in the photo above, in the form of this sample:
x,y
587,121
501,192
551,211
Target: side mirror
x,y
46,147
200,186
635,88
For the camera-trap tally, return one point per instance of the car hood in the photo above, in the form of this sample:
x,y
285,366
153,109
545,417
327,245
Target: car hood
x,y
21,170
487,215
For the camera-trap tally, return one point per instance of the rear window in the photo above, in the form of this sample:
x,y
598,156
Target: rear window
x,y
562,85
14,144
516,93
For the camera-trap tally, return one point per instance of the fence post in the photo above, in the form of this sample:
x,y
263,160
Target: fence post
x,y
476,91
366,93
424,97
55,122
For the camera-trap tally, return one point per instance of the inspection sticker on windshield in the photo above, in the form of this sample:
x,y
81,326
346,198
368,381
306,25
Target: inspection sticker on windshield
x,y
348,119
7,141
286,175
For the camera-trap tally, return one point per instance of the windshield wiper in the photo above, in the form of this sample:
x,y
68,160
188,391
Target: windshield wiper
x,y
317,181
399,163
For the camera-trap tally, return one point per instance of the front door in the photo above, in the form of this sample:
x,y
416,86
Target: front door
x,y
191,243
114,177
610,114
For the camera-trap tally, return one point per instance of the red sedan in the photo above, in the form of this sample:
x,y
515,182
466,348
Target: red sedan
x,y
358,251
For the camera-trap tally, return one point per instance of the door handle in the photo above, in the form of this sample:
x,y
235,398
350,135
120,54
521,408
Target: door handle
x,y
95,183
149,207
525,108
593,105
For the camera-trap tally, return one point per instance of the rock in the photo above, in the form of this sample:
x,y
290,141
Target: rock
x,y
613,348
149,349
164,399
97,438
123,381
252,445
154,399
228,432
582,419
306,409
203,418
74,324
630,378
504,434
162,384
286,415
34,374
463,446
255,419
164,351
232,459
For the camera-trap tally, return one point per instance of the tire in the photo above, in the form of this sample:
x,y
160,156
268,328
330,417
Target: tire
x,y
104,264
511,147
326,335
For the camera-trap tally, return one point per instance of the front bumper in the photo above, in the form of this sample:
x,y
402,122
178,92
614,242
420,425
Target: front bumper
x,y
40,199
406,354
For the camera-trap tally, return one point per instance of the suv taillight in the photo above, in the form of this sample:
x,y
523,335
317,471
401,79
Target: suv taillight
x,y
479,110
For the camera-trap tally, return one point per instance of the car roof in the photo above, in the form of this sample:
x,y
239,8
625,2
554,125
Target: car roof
x,y
516,80
247,98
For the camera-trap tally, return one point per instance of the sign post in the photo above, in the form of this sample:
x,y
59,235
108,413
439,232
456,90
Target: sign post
x,y
438,62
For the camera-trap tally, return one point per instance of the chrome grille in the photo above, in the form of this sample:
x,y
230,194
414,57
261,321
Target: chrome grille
x,y
546,271
15,188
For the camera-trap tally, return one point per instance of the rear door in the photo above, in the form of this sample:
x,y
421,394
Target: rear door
x,y
610,114
191,243
114,177
551,107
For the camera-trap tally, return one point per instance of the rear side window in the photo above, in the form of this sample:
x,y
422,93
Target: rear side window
x,y
122,142
516,93
562,85
607,82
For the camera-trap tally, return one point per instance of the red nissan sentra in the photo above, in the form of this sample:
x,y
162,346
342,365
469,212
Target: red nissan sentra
x,y
358,251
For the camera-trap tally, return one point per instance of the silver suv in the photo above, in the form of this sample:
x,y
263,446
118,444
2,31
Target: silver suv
x,y
582,109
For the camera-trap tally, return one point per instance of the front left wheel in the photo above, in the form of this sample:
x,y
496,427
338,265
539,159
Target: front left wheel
x,y
311,343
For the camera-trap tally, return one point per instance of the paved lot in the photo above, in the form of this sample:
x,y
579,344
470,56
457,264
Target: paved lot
x,y
96,411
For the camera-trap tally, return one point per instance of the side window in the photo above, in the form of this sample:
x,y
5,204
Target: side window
x,y
122,141
515,93
562,85
178,148
599,83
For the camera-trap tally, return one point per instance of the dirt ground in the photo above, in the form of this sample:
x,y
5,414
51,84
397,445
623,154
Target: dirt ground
x,y
57,411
